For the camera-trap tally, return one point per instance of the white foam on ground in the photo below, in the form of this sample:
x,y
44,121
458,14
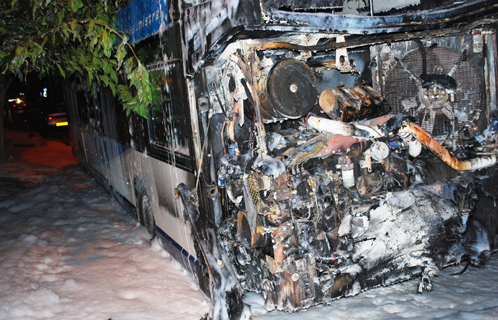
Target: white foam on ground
x,y
69,251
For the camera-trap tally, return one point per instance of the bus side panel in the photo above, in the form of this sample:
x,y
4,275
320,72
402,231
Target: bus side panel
x,y
94,153
119,165
111,160
113,147
119,160
161,181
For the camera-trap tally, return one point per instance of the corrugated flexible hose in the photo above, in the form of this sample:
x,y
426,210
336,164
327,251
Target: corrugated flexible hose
x,y
435,147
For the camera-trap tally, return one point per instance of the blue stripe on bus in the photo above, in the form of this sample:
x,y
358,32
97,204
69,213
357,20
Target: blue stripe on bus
x,y
143,18
177,246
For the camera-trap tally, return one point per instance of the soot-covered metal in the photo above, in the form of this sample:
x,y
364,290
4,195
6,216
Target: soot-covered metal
x,y
332,167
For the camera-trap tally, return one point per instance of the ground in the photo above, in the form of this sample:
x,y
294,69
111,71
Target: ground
x,y
68,251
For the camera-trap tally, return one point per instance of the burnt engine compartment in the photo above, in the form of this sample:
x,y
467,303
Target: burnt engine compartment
x,y
340,171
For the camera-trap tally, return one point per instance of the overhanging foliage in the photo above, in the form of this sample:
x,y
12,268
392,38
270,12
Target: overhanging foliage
x,y
68,36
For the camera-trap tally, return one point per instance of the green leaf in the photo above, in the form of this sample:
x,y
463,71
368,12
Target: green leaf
x,y
60,17
114,76
73,25
113,88
128,66
90,28
35,7
75,5
105,79
107,68
65,31
63,73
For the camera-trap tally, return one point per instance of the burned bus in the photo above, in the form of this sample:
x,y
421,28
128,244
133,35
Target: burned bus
x,y
305,150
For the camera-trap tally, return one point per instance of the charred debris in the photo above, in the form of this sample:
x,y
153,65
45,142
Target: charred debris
x,y
334,163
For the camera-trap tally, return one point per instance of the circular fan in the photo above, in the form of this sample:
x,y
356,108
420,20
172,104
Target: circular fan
x,y
435,112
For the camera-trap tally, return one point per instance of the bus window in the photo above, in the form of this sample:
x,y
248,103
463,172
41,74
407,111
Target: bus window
x,y
168,118
157,116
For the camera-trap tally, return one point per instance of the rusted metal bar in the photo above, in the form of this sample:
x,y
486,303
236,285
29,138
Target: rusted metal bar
x,y
435,147
392,37
259,119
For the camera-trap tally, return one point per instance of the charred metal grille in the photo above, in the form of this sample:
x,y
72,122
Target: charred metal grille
x,y
401,90
305,6
253,185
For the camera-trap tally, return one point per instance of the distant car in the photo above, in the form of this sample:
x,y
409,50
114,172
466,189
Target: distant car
x,y
17,105
58,119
